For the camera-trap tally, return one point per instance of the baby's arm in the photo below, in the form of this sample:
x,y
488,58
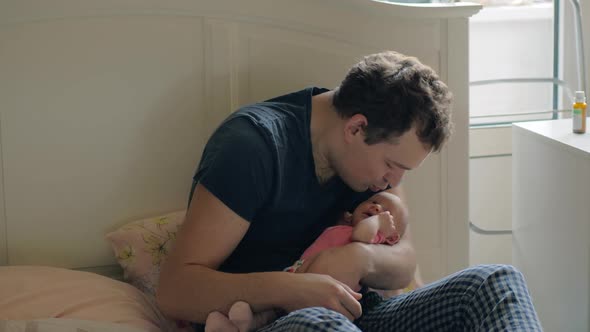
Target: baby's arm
x,y
366,230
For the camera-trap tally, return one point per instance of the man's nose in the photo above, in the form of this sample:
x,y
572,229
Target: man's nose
x,y
393,178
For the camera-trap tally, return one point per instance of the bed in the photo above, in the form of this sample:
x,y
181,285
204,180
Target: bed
x,y
105,107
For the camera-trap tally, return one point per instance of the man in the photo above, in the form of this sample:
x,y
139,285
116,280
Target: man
x,y
275,174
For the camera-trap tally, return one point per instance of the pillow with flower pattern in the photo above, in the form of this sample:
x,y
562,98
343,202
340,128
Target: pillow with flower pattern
x,y
142,245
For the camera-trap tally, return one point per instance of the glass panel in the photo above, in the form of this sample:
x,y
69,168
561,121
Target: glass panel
x,y
511,61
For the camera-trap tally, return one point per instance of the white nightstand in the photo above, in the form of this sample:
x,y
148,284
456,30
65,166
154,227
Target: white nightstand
x,y
551,220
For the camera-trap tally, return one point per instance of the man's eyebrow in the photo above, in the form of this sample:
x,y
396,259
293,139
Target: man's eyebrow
x,y
402,166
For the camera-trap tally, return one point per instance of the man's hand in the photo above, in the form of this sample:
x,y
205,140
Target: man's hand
x,y
312,290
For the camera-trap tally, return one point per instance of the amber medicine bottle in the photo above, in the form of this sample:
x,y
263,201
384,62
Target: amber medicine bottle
x,y
579,113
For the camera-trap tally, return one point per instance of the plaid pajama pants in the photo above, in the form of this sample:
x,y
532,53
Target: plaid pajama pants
x,y
480,298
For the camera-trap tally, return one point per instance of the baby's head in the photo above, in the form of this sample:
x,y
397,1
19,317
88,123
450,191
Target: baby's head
x,y
381,202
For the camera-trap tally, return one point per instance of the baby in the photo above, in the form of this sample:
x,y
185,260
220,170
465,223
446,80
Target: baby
x,y
381,219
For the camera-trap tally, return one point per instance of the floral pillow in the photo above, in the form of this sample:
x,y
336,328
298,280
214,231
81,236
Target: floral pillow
x,y
141,246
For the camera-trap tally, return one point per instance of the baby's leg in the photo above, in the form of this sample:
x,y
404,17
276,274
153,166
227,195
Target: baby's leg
x,y
241,315
217,322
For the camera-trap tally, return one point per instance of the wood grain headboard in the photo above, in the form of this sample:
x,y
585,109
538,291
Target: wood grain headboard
x,y
105,107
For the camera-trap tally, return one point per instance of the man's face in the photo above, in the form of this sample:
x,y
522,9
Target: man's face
x,y
377,166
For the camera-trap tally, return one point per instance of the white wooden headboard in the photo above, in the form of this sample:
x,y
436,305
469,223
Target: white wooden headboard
x,y
105,107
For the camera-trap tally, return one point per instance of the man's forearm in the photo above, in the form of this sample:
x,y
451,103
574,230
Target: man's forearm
x,y
192,292
378,266
390,267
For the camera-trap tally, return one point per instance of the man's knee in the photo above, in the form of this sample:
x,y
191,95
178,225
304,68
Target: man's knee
x,y
498,270
316,314
496,278
320,318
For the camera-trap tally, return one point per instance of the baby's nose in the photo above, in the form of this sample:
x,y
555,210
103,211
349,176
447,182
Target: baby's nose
x,y
375,208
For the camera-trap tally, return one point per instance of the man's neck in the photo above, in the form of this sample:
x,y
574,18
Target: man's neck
x,y
323,118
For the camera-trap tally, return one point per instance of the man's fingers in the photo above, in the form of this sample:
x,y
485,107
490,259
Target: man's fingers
x,y
350,302
356,295
346,313
352,308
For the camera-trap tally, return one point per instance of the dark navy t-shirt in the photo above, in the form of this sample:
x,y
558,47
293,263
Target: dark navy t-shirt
x,y
259,163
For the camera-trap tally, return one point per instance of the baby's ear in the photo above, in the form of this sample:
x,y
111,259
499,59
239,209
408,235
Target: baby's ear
x,y
347,217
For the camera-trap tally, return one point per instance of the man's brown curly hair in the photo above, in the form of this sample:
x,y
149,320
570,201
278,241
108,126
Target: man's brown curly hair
x,y
394,92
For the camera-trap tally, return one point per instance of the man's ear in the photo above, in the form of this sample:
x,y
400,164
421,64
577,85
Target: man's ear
x,y
354,126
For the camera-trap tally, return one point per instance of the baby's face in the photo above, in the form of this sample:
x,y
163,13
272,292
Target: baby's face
x,y
376,204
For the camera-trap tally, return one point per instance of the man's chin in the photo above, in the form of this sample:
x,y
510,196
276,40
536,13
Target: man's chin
x,y
363,189
375,189
359,188
356,188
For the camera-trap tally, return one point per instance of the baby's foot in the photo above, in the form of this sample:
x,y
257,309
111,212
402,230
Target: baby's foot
x,y
217,322
240,314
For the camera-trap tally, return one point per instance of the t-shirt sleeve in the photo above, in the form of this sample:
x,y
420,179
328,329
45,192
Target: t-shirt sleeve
x,y
237,166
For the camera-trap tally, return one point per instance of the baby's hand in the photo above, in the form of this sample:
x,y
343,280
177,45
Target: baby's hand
x,y
378,228
386,224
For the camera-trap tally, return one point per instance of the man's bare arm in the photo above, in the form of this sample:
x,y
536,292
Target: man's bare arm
x,y
390,267
190,287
